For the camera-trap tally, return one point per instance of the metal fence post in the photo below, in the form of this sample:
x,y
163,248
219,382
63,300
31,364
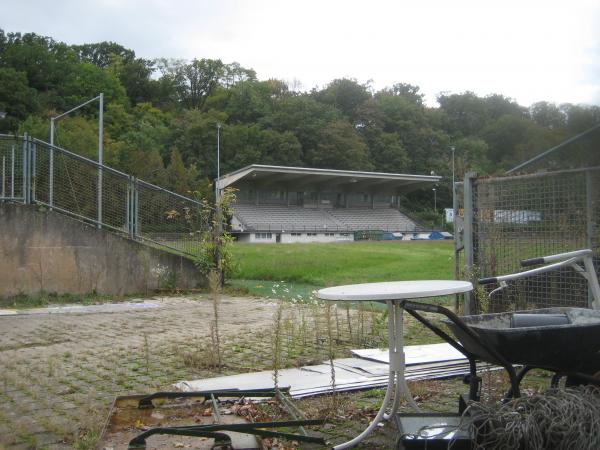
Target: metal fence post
x,y
457,246
3,176
589,209
468,238
135,208
128,208
12,172
51,167
33,178
99,197
589,222
25,170
100,156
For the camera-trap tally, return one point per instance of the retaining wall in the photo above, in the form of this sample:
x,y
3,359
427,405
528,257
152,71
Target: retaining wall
x,y
50,252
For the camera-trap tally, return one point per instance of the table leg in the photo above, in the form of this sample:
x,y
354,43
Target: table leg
x,y
392,383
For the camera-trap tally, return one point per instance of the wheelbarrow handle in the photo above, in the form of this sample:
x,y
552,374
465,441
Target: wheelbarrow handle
x,y
488,280
578,254
532,262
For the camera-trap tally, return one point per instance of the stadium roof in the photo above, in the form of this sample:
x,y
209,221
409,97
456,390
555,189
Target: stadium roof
x,y
272,177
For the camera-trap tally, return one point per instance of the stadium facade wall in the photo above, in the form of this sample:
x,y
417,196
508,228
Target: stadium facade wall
x,y
293,238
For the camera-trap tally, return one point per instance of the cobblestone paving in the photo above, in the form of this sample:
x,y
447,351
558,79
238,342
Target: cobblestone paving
x,y
59,372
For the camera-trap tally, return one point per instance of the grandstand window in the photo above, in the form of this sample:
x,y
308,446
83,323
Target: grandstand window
x,y
383,199
296,234
310,198
330,234
359,200
245,196
266,197
328,198
311,234
263,235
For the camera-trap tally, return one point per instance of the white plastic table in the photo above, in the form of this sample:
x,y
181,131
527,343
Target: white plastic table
x,y
392,293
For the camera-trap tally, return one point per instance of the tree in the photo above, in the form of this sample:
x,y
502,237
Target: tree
x,y
234,73
248,102
466,114
408,91
340,147
194,81
135,76
513,140
547,115
181,179
305,118
102,54
86,81
471,155
346,95
17,99
195,137
45,61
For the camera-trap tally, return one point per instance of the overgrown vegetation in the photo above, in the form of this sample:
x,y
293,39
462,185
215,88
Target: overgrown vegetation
x,y
215,244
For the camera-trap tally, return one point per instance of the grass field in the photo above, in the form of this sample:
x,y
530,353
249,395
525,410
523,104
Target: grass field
x,y
308,266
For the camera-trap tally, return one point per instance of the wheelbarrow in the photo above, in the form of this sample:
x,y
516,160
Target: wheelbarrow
x,y
565,341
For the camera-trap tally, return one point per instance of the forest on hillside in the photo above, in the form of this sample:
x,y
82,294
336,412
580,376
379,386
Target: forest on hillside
x,y
161,116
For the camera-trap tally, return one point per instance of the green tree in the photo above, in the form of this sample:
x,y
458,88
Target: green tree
x,y
86,81
102,54
181,179
17,99
340,147
471,155
547,115
193,81
305,118
347,95
513,140
46,62
408,91
466,114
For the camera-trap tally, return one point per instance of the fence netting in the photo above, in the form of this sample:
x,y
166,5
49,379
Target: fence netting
x,y
527,216
33,171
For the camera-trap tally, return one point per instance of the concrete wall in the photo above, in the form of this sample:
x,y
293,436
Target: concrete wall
x,y
46,251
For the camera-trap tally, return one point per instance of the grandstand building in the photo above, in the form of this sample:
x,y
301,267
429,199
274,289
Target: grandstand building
x,y
297,204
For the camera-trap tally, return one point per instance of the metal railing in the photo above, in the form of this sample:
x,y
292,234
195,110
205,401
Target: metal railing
x,y
35,172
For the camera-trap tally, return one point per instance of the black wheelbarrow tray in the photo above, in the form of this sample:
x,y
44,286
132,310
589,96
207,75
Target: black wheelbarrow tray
x,y
561,340
565,341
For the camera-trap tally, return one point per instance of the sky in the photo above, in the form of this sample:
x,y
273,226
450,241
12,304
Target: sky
x,y
527,50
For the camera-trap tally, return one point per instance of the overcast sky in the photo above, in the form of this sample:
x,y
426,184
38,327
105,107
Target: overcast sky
x,y
528,50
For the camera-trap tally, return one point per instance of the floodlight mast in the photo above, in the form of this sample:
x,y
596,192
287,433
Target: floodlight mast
x,y
100,98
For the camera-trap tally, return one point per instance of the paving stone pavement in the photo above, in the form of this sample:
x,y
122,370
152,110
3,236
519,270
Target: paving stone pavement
x,y
60,369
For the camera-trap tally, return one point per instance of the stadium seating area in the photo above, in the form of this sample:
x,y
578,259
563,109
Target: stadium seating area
x,y
294,218
386,219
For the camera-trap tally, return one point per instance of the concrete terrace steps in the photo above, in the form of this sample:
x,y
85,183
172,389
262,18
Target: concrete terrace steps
x,y
295,218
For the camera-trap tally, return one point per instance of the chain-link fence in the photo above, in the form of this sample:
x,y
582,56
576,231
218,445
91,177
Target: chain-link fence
x,y
36,172
507,219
